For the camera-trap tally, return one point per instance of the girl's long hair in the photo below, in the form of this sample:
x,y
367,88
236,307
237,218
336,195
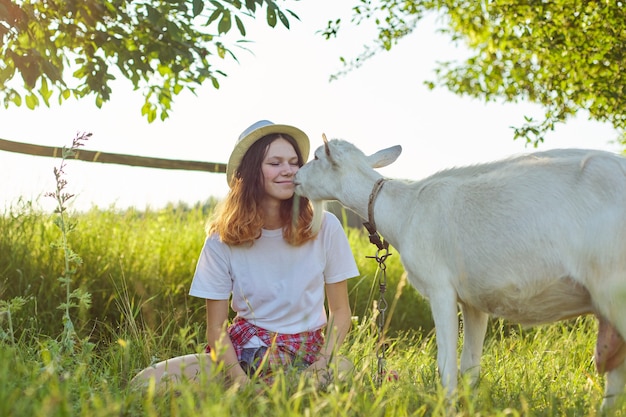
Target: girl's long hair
x,y
238,219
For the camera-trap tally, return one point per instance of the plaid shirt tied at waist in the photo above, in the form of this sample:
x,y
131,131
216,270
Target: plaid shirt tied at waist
x,y
283,348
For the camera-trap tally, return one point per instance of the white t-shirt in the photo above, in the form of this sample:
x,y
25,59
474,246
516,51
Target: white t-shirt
x,y
274,285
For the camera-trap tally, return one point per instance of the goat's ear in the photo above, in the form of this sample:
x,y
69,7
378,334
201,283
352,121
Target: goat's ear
x,y
327,150
384,157
326,147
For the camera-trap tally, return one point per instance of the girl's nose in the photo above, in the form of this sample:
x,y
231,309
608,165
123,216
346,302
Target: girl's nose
x,y
290,170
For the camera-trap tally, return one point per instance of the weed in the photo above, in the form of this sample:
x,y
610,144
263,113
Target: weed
x,y
76,298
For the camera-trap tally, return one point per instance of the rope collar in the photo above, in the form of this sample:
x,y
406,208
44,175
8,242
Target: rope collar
x,y
370,225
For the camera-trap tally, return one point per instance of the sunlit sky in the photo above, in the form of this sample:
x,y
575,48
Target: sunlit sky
x,y
285,80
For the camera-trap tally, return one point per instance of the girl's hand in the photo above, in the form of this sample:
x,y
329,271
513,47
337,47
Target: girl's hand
x,y
240,380
320,372
324,369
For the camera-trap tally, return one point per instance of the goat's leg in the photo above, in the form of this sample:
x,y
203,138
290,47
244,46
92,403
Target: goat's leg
x,y
174,370
610,356
615,382
445,315
474,329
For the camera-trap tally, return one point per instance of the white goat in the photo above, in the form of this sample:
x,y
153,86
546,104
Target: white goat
x,y
533,239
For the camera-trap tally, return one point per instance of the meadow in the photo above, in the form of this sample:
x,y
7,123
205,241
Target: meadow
x,y
88,299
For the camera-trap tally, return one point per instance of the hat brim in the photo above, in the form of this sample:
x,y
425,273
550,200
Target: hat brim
x,y
244,144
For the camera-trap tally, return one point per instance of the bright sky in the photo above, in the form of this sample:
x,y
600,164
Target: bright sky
x,y
381,104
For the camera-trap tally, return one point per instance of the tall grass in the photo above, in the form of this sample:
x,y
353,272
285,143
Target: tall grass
x,y
137,266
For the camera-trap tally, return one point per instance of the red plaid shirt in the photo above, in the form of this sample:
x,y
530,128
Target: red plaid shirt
x,y
283,348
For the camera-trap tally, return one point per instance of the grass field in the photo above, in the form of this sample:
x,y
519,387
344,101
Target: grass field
x,y
120,278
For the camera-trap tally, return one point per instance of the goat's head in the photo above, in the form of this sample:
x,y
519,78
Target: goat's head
x,y
339,165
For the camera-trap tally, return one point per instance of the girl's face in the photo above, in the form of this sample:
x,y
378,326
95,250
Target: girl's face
x,y
279,167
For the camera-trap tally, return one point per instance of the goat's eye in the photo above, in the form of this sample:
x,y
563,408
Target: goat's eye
x,y
315,158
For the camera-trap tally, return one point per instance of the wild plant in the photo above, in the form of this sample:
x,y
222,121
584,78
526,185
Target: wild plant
x,y
76,298
7,308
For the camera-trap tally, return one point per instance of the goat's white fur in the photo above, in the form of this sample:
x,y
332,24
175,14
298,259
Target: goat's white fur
x,y
533,239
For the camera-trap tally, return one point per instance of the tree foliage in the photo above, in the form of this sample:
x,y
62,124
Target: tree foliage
x,y
565,55
75,47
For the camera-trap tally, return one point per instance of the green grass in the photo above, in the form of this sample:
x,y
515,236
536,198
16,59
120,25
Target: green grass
x,y
137,266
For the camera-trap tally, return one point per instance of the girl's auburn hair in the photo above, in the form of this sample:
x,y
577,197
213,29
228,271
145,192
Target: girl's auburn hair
x,y
238,219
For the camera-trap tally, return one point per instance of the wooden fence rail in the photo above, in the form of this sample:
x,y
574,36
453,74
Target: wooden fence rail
x,y
348,216
113,158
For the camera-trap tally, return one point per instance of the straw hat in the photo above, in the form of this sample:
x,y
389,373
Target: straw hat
x,y
257,131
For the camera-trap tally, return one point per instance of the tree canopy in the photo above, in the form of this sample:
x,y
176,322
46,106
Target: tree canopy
x,y
564,55
75,47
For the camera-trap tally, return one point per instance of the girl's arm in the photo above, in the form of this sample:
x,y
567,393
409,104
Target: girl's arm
x,y
216,319
339,317
339,323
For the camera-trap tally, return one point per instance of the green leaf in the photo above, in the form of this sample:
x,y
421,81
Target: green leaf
x,y
198,6
271,16
149,110
283,18
153,15
221,50
145,109
214,16
31,101
240,26
80,72
164,69
16,99
45,92
298,18
225,23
